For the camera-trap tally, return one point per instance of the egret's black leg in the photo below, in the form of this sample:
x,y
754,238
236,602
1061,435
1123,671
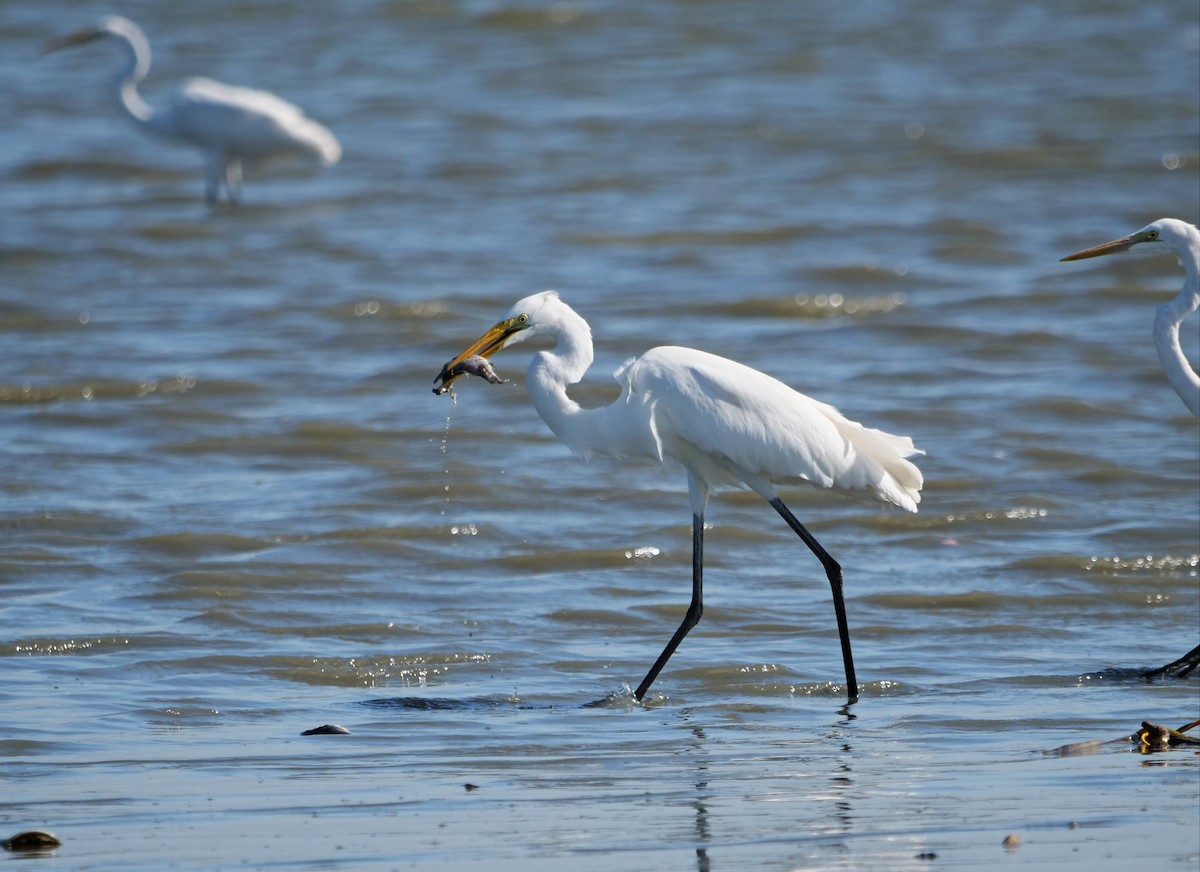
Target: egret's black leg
x,y
233,181
1181,668
695,609
212,182
834,572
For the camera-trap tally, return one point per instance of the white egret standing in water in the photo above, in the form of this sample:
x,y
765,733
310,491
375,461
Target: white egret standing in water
x,y
227,123
1169,236
725,423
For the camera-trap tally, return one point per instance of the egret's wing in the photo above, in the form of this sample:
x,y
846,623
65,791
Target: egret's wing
x,y
247,123
713,411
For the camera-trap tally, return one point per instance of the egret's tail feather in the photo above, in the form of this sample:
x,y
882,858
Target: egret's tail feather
x,y
891,476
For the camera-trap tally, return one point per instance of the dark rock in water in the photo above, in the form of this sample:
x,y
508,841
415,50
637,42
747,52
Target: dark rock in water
x,y
326,729
31,841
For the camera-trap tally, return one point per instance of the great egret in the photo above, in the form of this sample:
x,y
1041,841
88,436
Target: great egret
x,y
725,423
227,123
1169,236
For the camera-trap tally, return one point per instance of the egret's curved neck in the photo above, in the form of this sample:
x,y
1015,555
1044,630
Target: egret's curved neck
x,y
125,81
1166,329
585,431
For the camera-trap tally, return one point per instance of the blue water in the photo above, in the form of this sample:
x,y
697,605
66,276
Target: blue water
x,y
232,509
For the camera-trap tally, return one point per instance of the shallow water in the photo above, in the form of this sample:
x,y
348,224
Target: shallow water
x,y
232,510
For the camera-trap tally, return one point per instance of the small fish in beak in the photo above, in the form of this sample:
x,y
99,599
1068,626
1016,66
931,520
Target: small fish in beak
x,y
474,361
476,364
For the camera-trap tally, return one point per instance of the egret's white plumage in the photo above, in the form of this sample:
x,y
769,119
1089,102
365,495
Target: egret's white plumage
x,y
1169,236
725,423
229,124
735,425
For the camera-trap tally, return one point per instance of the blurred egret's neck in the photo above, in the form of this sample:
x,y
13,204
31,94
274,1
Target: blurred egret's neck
x,y
131,103
125,82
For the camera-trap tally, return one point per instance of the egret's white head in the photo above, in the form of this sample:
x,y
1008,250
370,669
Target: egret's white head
x,y
526,318
530,316
1164,236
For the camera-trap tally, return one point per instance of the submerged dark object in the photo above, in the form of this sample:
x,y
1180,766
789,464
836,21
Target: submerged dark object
x,y
327,729
477,365
32,841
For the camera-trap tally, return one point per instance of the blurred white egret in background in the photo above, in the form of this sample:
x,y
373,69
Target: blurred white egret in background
x,y
725,423
1169,236
227,123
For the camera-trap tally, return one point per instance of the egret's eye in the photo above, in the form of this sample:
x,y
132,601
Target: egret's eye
x,y
1153,234
522,319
